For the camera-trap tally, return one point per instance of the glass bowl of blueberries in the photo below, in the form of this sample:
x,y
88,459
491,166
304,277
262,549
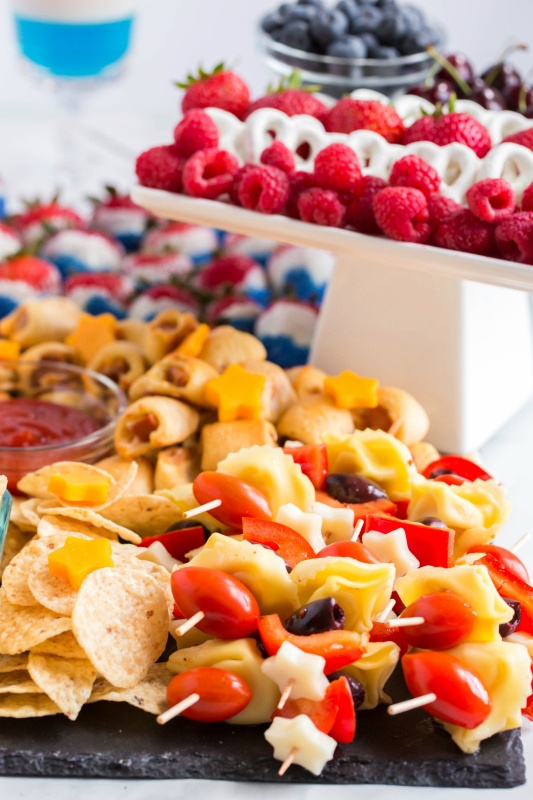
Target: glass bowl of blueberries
x,y
351,44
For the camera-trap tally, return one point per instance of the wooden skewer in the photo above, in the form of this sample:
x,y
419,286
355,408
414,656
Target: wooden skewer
x,y
285,694
189,623
193,512
403,622
414,702
517,545
178,708
396,425
288,761
386,611
357,530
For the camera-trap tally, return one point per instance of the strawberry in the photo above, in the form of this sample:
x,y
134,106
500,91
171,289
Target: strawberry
x,y
220,88
349,115
525,138
41,219
291,98
450,128
37,273
9,241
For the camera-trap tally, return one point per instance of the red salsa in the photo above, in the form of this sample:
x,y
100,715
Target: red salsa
x,y
26,422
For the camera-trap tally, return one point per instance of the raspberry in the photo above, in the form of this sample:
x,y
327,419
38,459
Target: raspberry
x,y
360,213
464,231
196,131
514,237
440,207
402,214
449,128
349,115
278,155
527,198
234,191
416,173
299,182
321,206
209,173
264,189
160,168
491,199
220,89
337,168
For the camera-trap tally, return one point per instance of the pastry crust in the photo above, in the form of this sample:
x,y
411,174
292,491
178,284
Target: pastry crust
x,y
47,319
307,380
123,362
178,376
278,394
220,439
166,331
226,345
176,466
312,417
397,412
152,423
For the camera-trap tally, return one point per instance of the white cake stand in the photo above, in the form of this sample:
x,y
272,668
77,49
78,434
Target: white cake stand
x,y
453,329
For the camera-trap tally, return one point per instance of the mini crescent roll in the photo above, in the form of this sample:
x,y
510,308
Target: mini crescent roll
x,y
154,422
178,376
47,319
397,412
176,466
226,345
51,351
222,438
278,393
307,380
166,331
310,418
131,330
123,362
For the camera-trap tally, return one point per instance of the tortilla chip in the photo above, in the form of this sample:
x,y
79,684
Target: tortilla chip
x,y
121,621
146,514
67,682
117,466
49,590
13,663
64,645
93,518
18,515
27,705
17,682
51,524
15,541
35,484
149,695
22,627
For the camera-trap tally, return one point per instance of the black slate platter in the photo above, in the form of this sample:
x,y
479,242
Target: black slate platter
x,y
113,740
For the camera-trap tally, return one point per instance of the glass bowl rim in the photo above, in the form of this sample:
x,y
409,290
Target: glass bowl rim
x,y
91,438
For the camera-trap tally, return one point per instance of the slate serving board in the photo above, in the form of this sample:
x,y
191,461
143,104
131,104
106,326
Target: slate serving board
x,y
114,740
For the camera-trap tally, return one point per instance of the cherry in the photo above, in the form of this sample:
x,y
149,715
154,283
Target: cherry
x,y
487,96
438,92
461,64
502,76
519,98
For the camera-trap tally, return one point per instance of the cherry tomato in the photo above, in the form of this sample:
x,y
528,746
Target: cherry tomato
x,y
313,459
338,647
510,585
462,698
348,549
360,510
448,621
506,557
239,499
387,633
222,694
462,467
287,543
230,609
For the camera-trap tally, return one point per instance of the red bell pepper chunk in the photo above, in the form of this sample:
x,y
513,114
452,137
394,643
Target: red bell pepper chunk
x,y
338,647
510,585
322,713
528,710
450,479
360,510
180,542
313,459
432,546
401,508
462,467
288,544
343,728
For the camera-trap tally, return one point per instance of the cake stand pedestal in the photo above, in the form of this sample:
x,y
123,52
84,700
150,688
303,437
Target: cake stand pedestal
x,y
451,328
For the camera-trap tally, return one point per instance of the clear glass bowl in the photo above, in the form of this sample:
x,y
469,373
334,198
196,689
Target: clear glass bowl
x,y
73,387
339,76
5,512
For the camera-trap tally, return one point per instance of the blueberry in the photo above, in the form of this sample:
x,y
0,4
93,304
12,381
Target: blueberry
x,y
303,13
326,27
385,52
393,27
414,17
317,3
317,616
347,47
368,20
348,7
506,628
272,21
371,41
356,687
347,488
296,34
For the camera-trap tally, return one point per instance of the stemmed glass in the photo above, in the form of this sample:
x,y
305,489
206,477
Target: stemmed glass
x,y
72,47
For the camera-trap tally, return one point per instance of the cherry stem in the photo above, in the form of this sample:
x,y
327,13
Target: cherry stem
x,y
494,72
450,69
524,89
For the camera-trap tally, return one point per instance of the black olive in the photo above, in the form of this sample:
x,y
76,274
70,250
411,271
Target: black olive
x,y
348,488
506,628
316,617
432,522
436,472
356,687
189,523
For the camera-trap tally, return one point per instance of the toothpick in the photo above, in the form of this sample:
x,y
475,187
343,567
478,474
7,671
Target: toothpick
x,y
193,512
404,622
386,611
520,543
189,623
288,761
414,702
285,694
396,425
178,708
357,530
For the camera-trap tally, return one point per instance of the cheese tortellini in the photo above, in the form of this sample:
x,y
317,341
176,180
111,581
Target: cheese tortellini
x,y
373,670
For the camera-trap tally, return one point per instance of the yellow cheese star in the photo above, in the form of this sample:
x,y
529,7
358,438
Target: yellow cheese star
x,y
78,558
78,488
349,390
91,334
236,393
9,351
193,344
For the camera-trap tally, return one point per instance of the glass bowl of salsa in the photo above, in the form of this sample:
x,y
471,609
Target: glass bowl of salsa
x,y
51,411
